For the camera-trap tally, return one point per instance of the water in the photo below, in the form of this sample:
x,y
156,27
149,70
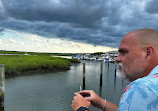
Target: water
x,y
2,81
54,91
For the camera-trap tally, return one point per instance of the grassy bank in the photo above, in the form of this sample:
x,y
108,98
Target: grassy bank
x,y
16,64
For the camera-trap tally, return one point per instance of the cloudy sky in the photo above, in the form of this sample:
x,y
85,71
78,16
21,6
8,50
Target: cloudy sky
x,y
72,25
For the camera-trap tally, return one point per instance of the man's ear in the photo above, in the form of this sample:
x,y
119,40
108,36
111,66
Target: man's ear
x,y
149,51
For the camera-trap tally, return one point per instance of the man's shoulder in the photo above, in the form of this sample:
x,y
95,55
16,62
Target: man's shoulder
x,y
143,86
142,91
146,83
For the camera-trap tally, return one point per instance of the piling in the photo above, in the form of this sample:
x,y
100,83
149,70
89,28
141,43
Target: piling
x,y
84,77
115,71
101,73
2,81
108,69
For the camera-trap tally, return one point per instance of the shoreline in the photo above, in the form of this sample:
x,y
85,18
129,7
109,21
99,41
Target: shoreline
x,y
33,72
29,72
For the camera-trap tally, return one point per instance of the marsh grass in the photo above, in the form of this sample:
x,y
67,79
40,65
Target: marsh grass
x,y
16,64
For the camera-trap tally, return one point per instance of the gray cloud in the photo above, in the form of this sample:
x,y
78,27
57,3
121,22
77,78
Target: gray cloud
x,y
80,11
152,7
98,22
3,15
1,31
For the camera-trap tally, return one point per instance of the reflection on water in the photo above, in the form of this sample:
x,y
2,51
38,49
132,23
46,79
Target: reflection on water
x,y
2,81
55,91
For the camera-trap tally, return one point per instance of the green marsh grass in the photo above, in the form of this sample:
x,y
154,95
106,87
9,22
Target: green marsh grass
x,y
16,64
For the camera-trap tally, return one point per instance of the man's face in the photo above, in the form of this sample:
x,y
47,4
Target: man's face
x,y
132,58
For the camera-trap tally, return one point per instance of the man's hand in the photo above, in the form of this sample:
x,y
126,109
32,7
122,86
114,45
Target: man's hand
x,y
79,101
91,96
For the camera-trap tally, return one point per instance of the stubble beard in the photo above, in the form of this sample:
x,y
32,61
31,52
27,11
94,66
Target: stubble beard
x,y
130,72
120,71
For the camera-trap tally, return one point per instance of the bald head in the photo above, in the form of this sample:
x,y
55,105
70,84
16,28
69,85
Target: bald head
x,y
138,53
146,37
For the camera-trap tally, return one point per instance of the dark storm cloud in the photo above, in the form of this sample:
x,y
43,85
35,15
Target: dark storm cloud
x,y
84,12
98,22
2,17
1,31
152,7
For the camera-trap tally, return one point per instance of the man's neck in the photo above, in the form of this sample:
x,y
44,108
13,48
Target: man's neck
x,y
149,69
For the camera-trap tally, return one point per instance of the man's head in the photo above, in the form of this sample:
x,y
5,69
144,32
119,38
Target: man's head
x,y
138,53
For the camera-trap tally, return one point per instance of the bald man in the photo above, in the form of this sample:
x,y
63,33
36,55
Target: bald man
x,y
137,62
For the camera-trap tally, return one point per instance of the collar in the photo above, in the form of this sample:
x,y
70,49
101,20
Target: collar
x,y
154,71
